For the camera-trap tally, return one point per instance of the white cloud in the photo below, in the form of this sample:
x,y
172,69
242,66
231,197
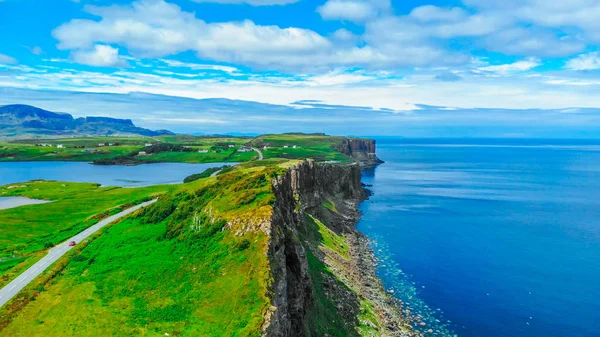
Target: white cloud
x,y
5,59
100,56
196,66
532,42
573,82
350,10
590,61
343,35
155,28
337,78
522,65
431,13
252,2
151,28
350,88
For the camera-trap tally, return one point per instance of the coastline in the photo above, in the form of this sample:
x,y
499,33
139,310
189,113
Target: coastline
x,y
395,318
320,260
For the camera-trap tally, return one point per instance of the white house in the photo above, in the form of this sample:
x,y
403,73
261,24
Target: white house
x,y
202,151
285,146
60,146
295,146
265,147
100,144
142,153
148,144
230,145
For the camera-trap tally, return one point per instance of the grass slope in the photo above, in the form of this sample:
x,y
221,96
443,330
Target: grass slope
x,y
220,149
185,266
317,147
27,231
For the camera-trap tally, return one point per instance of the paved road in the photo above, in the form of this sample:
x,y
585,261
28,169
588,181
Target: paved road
x,y
57,252
260,155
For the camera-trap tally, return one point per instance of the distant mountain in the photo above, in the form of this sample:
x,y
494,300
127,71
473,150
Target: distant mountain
x,y
25,121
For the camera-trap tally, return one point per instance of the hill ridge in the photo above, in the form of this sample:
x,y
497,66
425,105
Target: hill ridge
x,y
27,121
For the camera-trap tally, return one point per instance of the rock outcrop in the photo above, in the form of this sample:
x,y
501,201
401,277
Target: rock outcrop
x,y
361,150
302,190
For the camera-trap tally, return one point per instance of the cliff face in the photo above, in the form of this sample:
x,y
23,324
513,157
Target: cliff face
x,y
301,188
318,289
362,150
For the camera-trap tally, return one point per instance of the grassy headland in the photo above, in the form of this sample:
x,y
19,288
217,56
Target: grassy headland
x,y
201,261
194,263
179,148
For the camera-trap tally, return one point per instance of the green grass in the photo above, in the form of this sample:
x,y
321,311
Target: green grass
x,y
29,229
174,268
205,174
317,147
323,317
330,205
330,239
74,149
369,325
131,281
31,152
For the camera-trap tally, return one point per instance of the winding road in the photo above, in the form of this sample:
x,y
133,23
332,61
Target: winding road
x,y
260,155
55,253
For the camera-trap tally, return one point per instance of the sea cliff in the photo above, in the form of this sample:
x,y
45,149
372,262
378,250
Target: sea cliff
x,y
322,269
361,150
264,248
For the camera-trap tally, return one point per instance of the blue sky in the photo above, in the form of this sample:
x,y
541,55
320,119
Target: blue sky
x,y
487,61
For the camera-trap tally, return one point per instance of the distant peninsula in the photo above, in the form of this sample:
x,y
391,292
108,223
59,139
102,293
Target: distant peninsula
x,y
19,121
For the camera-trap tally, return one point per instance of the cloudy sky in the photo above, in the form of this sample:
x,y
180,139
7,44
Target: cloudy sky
x,y
473,68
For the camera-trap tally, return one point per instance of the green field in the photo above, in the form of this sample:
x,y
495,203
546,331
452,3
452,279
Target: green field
x,y
89,150
172,269
195,263
297,146
220,149
28,230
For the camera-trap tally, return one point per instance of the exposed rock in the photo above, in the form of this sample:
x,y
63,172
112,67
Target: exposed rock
x,y
361,150
303,189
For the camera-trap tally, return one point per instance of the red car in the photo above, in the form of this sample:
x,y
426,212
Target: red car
x,y
72,243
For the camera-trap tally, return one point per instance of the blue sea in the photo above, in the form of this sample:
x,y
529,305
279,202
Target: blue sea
x,y
489,238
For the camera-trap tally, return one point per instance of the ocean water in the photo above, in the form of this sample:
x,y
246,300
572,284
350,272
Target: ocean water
x,y
487,238
108,175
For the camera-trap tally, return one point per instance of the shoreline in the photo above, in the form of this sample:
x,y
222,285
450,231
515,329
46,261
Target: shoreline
x,y
395,317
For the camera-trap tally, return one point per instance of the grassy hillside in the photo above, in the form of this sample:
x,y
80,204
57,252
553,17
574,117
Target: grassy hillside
x,y
194,263
27,231
298,146
190,149
115,150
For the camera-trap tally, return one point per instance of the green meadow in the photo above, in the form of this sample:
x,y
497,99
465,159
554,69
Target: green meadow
x,y
178,267
299,146
26,231
195,263
218,149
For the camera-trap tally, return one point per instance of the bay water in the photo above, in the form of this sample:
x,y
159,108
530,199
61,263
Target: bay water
x,y
106,175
